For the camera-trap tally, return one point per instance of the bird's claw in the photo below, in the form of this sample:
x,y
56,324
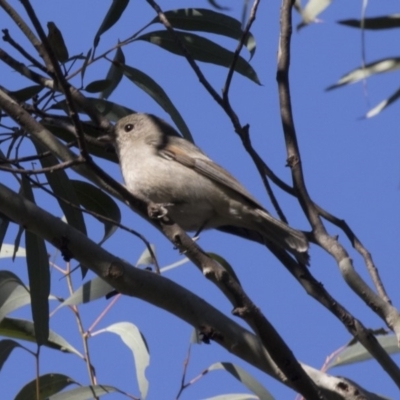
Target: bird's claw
x,y
158,210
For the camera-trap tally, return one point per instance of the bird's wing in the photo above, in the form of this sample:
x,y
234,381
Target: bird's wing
x,y
204,166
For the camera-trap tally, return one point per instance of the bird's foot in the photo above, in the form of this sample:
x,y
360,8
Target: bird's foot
x,y
158,210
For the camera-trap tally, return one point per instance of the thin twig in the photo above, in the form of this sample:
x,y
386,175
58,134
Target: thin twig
x,y
236,54
21,50
55,70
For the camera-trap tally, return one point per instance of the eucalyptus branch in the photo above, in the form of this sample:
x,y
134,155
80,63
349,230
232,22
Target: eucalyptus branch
x,y
55,70
244,308
7,38
381,307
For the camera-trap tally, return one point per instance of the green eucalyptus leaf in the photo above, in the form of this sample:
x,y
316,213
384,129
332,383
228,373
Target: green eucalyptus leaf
x,y
114,74
201,49
205,20
114,13
98,86
157,93
375,23
37,261
21,329
97,201
49,384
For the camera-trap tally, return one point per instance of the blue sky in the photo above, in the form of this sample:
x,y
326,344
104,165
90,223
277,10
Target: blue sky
x,y
351,168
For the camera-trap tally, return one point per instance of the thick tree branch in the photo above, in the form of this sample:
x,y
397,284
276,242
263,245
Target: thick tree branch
x,y
158,291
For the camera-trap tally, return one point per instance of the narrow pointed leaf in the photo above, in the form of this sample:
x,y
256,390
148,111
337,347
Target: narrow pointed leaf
x,y
7,251
157,93
24,330
64,190
385,22
17,241
57,43
84,393
133,338
27,93
97,201
98,86
88,292
49,384
39,276
114,74
113,15
13,293
205,20
357,352
311,11
6,348
4,223
146,258
383,104
377,67
244,377
201,49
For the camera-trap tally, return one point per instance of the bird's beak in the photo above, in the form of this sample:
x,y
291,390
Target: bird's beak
x,y
106,139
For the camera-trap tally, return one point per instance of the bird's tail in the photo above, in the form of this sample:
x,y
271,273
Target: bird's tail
x,y
284,236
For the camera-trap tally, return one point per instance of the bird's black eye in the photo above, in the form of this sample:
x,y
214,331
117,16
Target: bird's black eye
x,y
128,127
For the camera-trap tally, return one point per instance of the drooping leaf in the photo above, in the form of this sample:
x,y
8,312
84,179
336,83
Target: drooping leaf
x,y
146,258
4,223
13,293
114,74
6,348
89,291
63,189
244,377
39,276
98,86
97,201
383,104
114,13
134,339
84,393
24,330
49,384
7,251
311,11
26,93
376,67
57,43
205,20
356,352
201,49
17,241
375,23
157,93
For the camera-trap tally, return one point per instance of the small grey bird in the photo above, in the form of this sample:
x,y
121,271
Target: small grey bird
x,y
159,166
